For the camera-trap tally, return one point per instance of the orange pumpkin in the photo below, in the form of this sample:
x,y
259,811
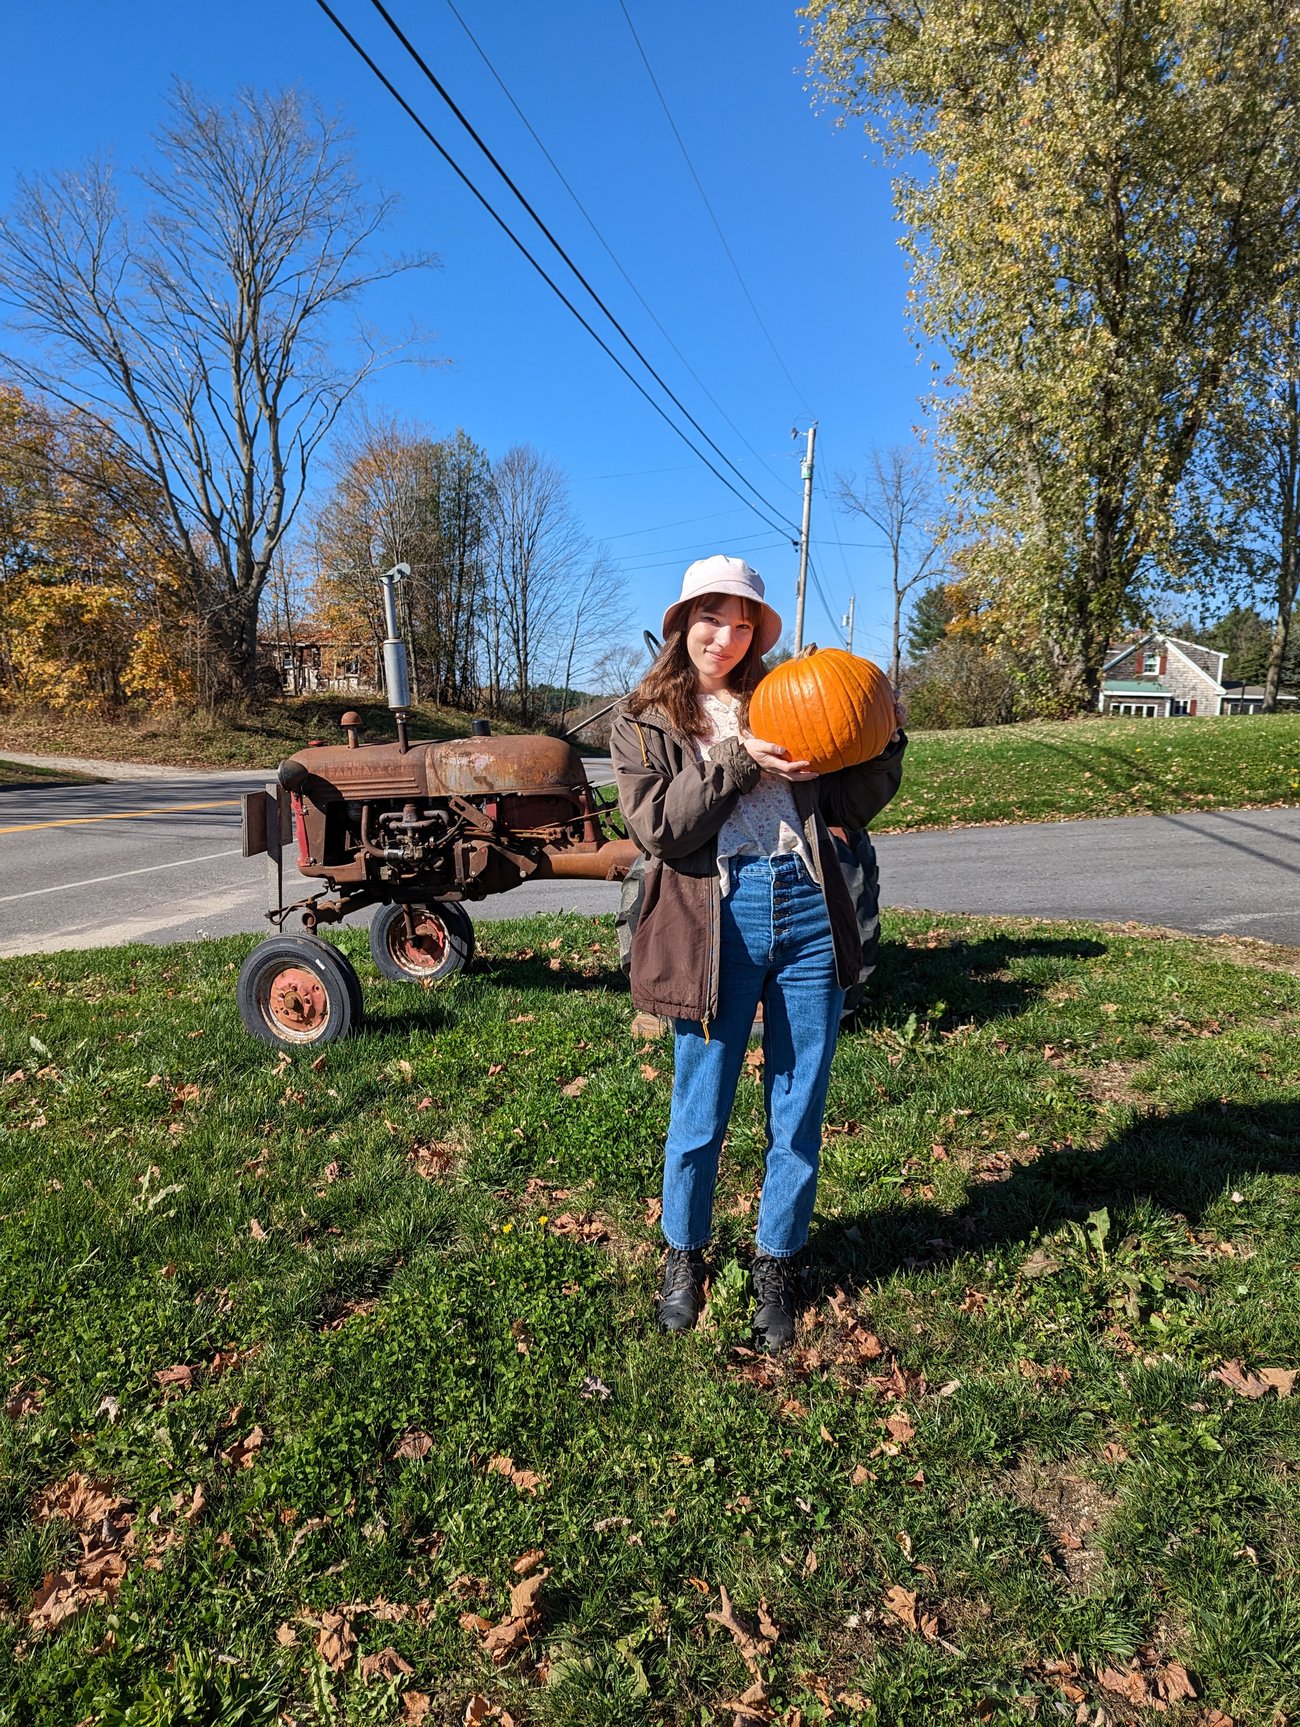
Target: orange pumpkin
x,y
827,707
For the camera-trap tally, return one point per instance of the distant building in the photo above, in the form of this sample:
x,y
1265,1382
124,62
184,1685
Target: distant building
x,y
1160,677
316,661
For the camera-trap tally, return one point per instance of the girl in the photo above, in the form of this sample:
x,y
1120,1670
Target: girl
x,y
743,902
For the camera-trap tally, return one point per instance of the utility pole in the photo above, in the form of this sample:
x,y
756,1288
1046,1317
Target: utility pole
x,y
801,592
848,623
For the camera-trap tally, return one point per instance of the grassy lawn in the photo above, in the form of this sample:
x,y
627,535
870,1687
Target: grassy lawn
x,y
15,774
997,774
1097,767
196,740
328,1381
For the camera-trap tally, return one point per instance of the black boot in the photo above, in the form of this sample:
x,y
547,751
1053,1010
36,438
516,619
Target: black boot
x,y
682,1295
776,1285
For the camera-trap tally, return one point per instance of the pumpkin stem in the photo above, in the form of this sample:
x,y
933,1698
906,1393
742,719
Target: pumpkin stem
x,y
808,648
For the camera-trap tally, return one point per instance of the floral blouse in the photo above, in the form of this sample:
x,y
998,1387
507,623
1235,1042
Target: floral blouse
x,y
765,822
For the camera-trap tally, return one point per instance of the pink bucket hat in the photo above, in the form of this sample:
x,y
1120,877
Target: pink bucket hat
x,y
721,574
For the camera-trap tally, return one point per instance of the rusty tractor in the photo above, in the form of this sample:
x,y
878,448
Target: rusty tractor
x,y
416,829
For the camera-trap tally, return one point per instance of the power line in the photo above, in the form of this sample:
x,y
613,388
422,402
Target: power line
x,y
608,249
830,617
765,545
684,522
699,186
447,98
541,271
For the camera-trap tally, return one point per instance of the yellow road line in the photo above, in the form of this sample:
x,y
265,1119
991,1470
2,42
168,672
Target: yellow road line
x,y
118,816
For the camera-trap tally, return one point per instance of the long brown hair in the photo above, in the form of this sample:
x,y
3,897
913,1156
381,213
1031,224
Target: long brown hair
x,y
672,683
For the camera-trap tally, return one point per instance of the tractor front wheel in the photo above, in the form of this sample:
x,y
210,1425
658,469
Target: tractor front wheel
x,y
298,990
443,945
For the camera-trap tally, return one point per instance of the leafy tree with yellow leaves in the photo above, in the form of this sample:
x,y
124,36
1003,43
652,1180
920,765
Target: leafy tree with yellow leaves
x,y
1097,198
89,581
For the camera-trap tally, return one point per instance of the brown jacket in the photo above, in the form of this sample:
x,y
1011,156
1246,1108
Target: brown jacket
x,y
674,804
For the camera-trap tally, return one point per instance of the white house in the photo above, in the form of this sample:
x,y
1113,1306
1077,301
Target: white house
x,y
1161,676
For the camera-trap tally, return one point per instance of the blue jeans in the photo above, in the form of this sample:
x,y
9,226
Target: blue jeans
x,y
777,949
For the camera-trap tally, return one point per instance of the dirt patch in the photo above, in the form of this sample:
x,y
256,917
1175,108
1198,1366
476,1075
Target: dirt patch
x,y
1073,1510
1112,1082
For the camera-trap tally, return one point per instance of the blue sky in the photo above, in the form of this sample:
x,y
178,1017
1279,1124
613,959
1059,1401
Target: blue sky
x,y
804,210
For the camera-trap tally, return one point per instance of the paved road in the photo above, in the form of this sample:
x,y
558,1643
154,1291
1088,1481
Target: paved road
x,y
1236,872
159,860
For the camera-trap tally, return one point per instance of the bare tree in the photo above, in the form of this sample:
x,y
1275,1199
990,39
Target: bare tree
x,y
596,607
538,561
200,335
618,670
898,495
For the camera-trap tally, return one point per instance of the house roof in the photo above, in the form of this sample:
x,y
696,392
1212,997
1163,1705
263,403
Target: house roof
x,y
1126,688
1181,649
1254,693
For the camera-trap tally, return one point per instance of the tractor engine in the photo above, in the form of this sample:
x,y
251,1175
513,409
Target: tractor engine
x,y
444,821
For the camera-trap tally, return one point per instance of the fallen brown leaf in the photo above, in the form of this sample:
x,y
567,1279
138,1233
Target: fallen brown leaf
x,y
751,1707
526,1594
21,1402
178,1375
901,1603
575,1087
243,1453
527,1562
478,1711
386,1666
578,1226
256,1231
433,1159
336,1642
80,1501
285,1635
525,1480
415,1442
751,1644
415,1708
899,1429
506,1639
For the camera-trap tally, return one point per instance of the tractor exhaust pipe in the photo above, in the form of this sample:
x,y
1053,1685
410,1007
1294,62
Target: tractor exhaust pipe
x,y
396,679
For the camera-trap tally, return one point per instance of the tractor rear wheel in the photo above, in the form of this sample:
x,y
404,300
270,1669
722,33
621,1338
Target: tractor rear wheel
x,y
443,945
296,990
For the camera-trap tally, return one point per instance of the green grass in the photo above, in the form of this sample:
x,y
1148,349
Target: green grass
x,y
1061,1186
1036,772
256,740
16,774
1097,767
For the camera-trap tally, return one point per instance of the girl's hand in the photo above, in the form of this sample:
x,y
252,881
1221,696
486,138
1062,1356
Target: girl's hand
x,y
775,760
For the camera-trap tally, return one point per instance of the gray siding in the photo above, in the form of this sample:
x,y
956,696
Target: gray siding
x,y
1186,682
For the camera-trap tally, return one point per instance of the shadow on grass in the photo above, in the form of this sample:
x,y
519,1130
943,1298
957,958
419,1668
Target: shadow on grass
x,y
958,982
535,973
1180,1163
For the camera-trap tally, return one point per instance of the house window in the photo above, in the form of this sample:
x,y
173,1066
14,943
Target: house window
x,y
1151,663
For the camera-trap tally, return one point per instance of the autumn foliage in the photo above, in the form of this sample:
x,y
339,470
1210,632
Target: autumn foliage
x,y
91,614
